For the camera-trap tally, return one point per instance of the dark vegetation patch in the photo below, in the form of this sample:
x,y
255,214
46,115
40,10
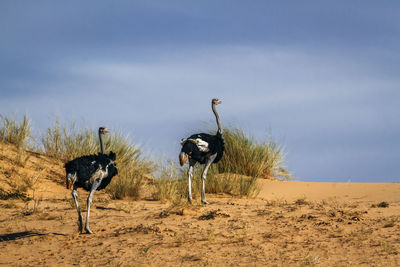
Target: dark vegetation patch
x,y
383,204
212,214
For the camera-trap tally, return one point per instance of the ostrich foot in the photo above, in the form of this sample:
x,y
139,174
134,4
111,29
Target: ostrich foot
x,y
80,228
203,201
88,231
190,200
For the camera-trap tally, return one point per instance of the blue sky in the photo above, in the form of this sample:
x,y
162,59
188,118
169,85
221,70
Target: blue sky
x,y
321,76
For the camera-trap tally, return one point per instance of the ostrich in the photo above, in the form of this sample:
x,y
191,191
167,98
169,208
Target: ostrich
x,y
203,148
92,172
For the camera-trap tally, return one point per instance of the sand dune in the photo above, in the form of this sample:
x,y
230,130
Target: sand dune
x,y
288,224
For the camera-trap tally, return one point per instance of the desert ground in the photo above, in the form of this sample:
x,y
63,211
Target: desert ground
x,y
288,224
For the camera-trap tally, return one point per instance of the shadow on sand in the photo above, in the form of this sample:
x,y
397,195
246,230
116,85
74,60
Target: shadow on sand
x,y
19,235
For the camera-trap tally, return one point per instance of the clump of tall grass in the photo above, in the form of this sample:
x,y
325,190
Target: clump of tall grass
x,y
246,156
229,183
169,186
172,183
131,177
15,132
67,142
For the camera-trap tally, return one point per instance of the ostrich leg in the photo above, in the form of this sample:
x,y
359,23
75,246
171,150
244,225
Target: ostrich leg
x,y
208,163
95,185
75,197
190,174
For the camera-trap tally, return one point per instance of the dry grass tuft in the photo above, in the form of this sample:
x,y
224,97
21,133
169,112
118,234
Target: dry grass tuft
x,y
246,156
168,186
66,142
14,132
171,184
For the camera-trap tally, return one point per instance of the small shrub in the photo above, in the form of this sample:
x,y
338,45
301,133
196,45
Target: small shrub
x,y
13,132
383,205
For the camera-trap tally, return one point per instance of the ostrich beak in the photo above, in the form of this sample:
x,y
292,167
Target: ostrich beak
x,y
70,180
106,130
219,102
182,158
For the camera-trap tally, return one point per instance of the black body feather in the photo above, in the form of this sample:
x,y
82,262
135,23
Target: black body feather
x,y
86,166
215,144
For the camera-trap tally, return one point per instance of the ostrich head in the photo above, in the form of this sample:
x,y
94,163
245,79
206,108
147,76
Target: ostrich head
x,y
182,158
103,130
215,101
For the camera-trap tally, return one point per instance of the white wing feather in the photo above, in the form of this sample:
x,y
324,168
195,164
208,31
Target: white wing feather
x,y
201,144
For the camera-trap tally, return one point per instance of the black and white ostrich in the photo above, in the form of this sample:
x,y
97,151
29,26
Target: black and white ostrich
x,y
92,172
203,148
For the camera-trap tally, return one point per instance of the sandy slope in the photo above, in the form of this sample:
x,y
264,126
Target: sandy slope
x,y
289,224
367,192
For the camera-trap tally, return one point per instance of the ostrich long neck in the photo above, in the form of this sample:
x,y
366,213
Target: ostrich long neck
x,y
217,118
101,143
